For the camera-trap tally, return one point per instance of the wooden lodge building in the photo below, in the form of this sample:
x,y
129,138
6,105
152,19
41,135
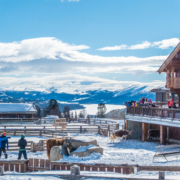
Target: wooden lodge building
x,y
17,110
167,120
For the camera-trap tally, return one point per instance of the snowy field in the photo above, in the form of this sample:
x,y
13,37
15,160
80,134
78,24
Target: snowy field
x,y
91,109
119,152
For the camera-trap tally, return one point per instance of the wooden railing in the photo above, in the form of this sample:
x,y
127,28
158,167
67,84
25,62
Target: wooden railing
x,y
13,146
46,165
173,114
47,131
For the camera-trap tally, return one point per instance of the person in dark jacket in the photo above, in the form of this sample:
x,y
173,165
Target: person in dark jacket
x,y
22,147
3,143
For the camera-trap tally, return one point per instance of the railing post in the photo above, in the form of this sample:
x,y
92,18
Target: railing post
x,y
94,121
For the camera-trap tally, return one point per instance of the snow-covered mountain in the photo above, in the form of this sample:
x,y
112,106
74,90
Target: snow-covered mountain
x,y
41,98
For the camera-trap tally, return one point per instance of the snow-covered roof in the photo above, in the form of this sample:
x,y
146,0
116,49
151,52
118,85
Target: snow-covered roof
x,y
17,108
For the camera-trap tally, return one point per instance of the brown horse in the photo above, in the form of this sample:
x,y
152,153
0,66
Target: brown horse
x,y
53,142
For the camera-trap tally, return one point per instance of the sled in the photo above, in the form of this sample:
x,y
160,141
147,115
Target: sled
x,y
163,151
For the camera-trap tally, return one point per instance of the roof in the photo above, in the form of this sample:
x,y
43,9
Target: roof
x,y
160,90
17,108
169,59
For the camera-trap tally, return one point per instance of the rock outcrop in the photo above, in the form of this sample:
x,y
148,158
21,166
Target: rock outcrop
x,y
87,150
57,153
78,141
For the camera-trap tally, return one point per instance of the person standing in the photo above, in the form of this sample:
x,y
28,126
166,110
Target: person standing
x,y
22,147
3,143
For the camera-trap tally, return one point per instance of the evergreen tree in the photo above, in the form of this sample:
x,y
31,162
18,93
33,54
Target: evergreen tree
x,y
66,112
75,115
53,108
101,110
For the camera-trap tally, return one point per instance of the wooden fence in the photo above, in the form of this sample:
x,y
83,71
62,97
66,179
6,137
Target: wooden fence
x,y
32,165
13,146
15,165
45,164
173,114
47,131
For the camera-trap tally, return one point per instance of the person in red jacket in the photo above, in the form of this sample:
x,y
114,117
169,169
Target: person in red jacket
x,y
170,103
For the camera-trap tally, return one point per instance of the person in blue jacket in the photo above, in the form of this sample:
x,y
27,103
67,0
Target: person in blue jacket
x,y
3,143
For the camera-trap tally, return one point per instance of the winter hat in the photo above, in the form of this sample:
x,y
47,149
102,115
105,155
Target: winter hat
x,y
4,133
22,136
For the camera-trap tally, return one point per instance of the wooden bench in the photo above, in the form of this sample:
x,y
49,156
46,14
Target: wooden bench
x,y
168,153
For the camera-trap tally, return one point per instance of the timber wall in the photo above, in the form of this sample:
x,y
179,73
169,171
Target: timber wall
x,y
136,127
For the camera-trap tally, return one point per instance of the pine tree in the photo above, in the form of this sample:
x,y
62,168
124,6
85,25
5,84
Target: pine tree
x,y
101,110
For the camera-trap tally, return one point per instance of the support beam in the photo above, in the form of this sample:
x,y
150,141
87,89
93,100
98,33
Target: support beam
x,y
167,133
168,80
163,135
172,77
144,132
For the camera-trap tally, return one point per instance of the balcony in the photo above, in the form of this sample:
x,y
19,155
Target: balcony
x,y
160,116
176,83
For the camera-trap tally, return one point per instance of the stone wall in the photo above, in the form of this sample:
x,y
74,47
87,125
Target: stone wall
x,y
136,127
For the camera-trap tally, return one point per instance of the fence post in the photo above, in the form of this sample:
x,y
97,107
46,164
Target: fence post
x,y
161,175
117,126
109,130
80,129
98,129
94,121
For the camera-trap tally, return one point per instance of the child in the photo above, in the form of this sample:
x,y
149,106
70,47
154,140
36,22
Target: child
x,y
22,147
3,143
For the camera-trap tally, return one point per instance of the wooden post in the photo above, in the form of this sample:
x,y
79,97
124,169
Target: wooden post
x,y
163,135
80,129
126,125
144,132
109,130
162,175
168,79
167,133
98,129
172,77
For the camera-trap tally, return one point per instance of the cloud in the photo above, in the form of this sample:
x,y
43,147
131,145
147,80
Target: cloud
x,y
37,48
48,55
164,44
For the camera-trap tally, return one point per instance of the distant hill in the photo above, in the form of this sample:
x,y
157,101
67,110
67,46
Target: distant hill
x,y
41,98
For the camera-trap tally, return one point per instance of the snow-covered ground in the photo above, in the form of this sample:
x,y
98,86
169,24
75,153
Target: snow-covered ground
x,y
91,109
119,152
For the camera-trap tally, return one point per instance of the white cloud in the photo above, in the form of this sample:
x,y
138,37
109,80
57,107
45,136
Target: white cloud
x,y
49,55
164,44
108,48
144,45
37,48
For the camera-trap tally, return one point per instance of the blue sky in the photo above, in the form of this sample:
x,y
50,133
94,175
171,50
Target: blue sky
x,y
113,41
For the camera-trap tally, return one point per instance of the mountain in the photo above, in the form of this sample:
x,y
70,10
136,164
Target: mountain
x,y
75,100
